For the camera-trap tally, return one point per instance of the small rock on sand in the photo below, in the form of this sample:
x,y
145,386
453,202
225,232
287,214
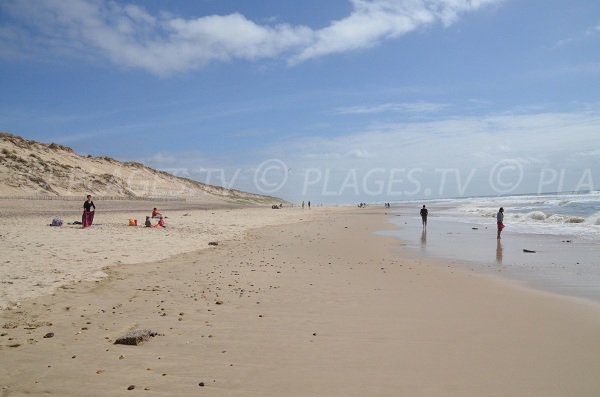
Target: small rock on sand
x,y
49,335
135,337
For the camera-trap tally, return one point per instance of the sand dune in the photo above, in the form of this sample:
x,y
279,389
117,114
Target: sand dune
x,y
29,168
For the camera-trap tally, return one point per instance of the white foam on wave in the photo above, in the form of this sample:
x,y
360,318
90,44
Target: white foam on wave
x,y
562,214
537,216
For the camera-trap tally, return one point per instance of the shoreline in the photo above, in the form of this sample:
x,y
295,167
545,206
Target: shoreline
x,y
323,307
561,264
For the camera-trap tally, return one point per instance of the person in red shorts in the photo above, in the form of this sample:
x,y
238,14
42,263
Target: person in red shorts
x,y
500,221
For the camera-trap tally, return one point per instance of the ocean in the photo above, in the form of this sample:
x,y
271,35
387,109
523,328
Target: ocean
x,y
563,214
551,241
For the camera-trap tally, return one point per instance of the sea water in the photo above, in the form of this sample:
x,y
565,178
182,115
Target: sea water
x,y
562,229
567,214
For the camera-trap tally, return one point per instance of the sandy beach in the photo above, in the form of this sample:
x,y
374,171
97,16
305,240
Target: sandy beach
x,y
38,258
290,303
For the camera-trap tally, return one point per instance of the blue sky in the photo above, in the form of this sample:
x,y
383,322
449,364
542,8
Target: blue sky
x,y
336,101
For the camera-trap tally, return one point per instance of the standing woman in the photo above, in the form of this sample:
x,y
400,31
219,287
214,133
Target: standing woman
x,y
88,214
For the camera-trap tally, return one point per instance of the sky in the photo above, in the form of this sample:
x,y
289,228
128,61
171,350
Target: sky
x,y
337,101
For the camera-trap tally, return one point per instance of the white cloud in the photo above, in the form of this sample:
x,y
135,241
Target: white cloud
x,y
594,30
372,22
458,147
164,44
413,107
590,153
586,34
162,160
358,154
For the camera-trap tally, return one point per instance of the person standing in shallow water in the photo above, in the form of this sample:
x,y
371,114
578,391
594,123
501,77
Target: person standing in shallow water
x,y
424,212
88,214
500,221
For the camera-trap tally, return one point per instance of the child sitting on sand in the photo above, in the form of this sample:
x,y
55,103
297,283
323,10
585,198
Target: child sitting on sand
x,y
161,223
148,223
155,213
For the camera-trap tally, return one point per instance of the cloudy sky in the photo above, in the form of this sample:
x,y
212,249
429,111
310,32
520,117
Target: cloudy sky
x,y
335,101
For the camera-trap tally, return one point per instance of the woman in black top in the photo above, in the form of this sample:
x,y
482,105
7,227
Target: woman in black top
x,y
88,214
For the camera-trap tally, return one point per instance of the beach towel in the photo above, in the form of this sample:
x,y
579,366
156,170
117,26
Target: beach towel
x,y
87,218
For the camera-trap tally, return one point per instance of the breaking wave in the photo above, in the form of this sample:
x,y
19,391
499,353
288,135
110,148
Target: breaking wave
x,y
577,214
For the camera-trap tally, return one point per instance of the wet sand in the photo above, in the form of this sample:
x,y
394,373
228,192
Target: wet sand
x,y
322,308
564,264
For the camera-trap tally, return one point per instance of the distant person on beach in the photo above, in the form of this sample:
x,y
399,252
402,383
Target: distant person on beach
x,y
302,204
155,213
424,212
148,223
88,213
161,223
309,204
500,221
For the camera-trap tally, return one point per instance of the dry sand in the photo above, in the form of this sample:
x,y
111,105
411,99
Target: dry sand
x,y
37,258
317,308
